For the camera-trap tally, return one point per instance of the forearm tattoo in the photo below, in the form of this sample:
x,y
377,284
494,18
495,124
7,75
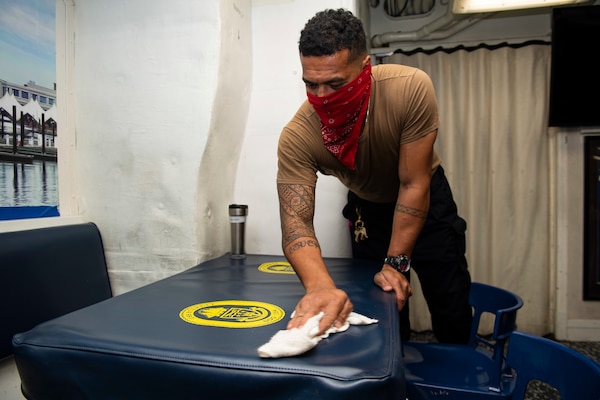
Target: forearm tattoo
x,y
303,243
414,212
296,208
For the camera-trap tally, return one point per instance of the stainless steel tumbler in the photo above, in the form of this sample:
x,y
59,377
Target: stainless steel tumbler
x,y
237,220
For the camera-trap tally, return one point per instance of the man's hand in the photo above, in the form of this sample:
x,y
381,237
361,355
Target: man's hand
x,y
389,279
334,303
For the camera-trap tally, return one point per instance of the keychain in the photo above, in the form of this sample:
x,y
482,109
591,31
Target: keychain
x,y
360,232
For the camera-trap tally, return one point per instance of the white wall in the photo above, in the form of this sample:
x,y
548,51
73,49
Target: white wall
x,y
160,97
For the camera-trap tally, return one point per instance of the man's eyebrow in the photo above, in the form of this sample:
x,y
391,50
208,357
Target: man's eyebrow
x,y
333,81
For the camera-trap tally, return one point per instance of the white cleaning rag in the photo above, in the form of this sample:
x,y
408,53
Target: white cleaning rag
x,y
295,341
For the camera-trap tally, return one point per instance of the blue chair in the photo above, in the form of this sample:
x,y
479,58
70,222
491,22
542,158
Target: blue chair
x,y
574,375
469,371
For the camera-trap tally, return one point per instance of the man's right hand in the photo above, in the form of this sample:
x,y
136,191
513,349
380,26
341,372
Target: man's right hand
x,y
301,248
333,302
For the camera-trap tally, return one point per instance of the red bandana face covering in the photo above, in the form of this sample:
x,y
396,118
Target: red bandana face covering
x,y
342,114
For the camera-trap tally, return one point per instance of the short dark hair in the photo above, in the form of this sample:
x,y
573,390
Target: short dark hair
x,y
330,31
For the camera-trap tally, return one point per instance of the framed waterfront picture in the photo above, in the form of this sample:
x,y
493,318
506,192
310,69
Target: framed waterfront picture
x,y
28,127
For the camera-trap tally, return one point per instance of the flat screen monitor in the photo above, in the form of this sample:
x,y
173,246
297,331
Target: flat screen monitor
x,y
575,67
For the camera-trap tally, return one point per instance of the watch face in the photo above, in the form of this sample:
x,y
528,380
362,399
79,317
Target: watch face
x,y
400,263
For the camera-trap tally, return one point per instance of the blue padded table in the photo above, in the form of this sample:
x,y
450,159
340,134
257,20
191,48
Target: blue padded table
x,y
195,335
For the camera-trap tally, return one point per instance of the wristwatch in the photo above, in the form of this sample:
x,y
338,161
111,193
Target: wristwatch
x,y
400,263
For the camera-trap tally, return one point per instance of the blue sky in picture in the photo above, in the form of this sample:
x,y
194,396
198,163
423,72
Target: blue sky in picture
x,y
27,42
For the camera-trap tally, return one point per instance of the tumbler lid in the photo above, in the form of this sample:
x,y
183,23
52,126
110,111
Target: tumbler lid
x,y
238,209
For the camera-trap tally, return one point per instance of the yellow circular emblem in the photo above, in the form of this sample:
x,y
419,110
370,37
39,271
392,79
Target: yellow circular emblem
x,y
232,314
278,267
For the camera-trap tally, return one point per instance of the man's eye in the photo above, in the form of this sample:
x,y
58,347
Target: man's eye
x,y
311,85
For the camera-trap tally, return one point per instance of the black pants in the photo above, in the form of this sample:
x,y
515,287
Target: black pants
x,y
438,257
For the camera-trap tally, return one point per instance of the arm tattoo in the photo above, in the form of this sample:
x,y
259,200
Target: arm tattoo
x,y
297,208
303,243
414,212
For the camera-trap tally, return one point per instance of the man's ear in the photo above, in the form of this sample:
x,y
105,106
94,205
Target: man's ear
x,y
366,61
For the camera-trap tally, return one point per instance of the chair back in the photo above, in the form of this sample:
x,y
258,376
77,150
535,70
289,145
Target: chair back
x,y
500,302
574,375
466,371
504,306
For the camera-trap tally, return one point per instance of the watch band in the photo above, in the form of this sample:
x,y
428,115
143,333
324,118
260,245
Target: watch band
x,y
400,263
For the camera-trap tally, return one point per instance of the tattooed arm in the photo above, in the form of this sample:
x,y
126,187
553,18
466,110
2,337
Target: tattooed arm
x,y
414,171
301,248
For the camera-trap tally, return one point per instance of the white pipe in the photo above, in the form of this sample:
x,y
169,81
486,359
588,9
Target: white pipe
x,y
429,30
458,26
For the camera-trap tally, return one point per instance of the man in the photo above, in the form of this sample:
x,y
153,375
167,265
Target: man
x,y
373,128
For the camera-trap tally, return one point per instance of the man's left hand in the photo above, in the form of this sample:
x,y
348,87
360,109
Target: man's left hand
x,y
389,279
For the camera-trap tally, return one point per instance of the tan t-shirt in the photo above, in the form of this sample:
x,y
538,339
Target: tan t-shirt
x,y
402,109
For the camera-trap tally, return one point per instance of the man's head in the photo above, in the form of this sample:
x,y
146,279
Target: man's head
x,y
330,31
333,51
